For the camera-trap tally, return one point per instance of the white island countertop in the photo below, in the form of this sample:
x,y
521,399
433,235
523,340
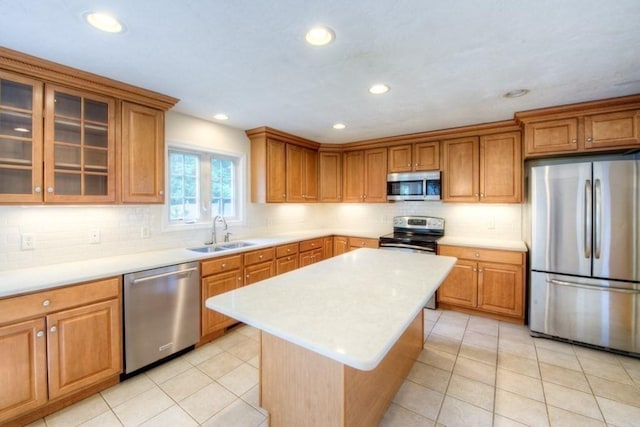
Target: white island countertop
x,y
351,308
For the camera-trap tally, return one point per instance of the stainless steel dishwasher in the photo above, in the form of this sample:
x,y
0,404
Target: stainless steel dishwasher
x,y
161,313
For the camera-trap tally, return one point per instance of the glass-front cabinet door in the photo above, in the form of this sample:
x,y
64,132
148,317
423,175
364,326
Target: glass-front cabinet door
x,y
20,139
79,147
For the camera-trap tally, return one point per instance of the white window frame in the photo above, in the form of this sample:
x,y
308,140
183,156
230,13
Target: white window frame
x,y
206,216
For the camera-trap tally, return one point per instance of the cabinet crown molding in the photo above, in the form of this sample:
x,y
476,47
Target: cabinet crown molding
x,y
578,109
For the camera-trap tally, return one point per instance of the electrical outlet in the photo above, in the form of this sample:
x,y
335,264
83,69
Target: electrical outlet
x,y
94,236
28,242
492,223
144,232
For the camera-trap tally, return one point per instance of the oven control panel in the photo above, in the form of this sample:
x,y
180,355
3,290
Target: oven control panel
x,y
418,222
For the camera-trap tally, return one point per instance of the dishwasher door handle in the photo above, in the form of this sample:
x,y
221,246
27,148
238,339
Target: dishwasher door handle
x,y
158,276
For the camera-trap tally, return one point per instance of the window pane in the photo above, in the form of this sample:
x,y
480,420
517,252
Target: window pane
x,y
222,187
183,187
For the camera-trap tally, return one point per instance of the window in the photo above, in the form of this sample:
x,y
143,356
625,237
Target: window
x,y
202,185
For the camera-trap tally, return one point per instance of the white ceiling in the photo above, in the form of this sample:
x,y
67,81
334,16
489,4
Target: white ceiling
x,y
448,62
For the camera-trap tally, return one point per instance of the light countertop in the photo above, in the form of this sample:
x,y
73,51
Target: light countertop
x,y
351,308
506,245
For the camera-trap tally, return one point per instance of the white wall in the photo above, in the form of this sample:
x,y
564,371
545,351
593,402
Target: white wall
x,y
62,232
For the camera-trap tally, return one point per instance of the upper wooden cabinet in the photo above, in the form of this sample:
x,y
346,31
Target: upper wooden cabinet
x,y
365,176
606,125
67,136
484,169
141,154
284,167
330,176
421,156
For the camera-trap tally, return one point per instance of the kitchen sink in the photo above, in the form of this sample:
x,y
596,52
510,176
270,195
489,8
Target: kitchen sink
x,y
236,245
220,248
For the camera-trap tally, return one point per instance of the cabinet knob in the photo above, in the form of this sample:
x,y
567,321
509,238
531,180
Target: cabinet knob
x,y
46,303
38,190
574,141
477,255
475,269
53,330
161,192
239,279
589,139
260,257
479,270
247,276
481,194
40,334
224,265
49,189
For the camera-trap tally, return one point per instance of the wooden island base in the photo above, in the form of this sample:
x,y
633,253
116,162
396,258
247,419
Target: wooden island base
x,y
302,388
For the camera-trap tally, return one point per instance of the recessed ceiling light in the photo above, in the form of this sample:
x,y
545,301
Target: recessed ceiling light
x,y
104,22
339,126
516,93
378,89
221,116
320,35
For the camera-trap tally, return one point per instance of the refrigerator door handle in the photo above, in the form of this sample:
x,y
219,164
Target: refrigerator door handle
x,y
597,231
592,288
587,218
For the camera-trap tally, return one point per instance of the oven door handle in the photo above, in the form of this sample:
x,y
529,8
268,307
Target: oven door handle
x,y
405,246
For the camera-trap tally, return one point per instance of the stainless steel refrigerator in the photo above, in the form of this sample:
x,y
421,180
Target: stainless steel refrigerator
x,y
585,253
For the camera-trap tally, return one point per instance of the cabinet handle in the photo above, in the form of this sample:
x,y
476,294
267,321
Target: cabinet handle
x,y
49,189
53,330
46,303
38,190
40,334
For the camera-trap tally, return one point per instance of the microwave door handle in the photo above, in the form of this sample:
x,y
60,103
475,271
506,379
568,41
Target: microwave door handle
x,y
587,218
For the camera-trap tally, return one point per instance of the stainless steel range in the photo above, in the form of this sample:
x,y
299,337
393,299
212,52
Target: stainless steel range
x,y
415,234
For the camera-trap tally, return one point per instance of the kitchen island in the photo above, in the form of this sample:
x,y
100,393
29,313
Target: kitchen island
x,y
338,337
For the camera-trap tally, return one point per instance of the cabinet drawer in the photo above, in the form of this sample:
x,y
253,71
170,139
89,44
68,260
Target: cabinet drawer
x,y
362,242
284,250
218,265
41,303
308,245
259,256
478,254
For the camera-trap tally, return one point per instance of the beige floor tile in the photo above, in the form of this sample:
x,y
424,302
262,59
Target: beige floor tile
x,y
481,354
479,339
106,419
185,383
442,343
227,341
240,380
252,397
428,327
249,332
238,414
619,414
397,416
437,358
172,417
255,362
517,348
594,354
483,325
458,318
456,413
451,330
142,407
127,389
419,399
565,377
564,360
605,370
78,413
632,366
200,354
521,409
562,418
471,391
429,376
512,332
220,364
246,350
520,384
625,393
571,400
500,421
167,370
475,370
521,365
207,402
552,345
432,315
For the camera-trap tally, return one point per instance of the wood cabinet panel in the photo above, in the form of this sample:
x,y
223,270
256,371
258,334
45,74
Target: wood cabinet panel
x,y
461,285
276,171
340,245
287,263
617,129
219,265
482,254
501,168
552,136
362,242
310,257
141,154
401,158
288,249
301,174
353,176
261,255
501,288
327,249
257,272
330,177
375,175
426,156
213,321
307,245
461,170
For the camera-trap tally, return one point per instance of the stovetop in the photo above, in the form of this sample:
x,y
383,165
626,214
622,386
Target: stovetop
x,y
415,230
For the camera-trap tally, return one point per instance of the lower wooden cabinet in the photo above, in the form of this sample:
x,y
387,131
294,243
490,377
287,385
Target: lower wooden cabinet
x,y
340,245
311,251
259,265
66,341
219,275
362,242
286,258
486,282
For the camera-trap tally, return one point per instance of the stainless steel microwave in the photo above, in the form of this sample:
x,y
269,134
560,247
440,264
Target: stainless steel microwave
x,y
413,186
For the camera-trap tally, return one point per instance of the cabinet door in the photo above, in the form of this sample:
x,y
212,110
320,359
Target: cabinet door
x,y
612,130
330,177
286,264
217,284
295,173
276,171
79,147
460,170
551,136
20,139
23,367
310,176
400,158
255,273
310,257
142,154
426,156
83,346
461,285
501,168
340,245
375,175
353,176
327,250
363,242
501,288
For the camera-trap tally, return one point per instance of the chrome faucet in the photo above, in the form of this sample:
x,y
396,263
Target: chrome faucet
x,y
214,237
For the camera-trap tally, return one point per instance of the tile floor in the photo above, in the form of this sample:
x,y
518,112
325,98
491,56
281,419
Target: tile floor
x,y
473,372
